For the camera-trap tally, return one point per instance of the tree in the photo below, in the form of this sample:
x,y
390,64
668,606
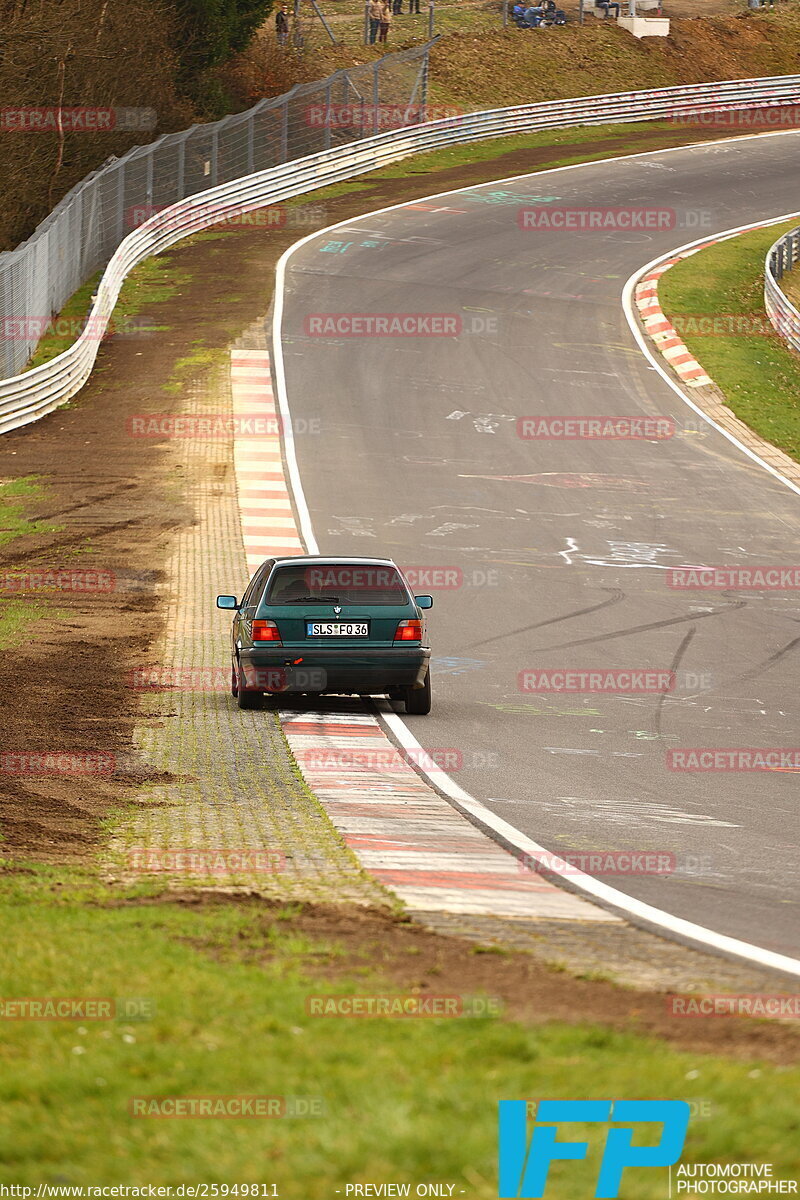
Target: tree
x,y
212,31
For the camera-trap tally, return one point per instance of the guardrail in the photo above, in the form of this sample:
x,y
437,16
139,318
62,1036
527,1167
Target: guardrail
x,y
781,257
78,238
29,396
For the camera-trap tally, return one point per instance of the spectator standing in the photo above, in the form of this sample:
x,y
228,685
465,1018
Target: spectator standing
x,y
397,7
385,21
413,7
282,25
375,9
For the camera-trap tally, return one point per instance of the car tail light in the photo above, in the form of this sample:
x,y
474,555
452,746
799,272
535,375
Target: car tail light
x,y
265,631
408,631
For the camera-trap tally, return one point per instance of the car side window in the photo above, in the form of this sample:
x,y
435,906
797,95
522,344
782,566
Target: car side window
x,y
255,588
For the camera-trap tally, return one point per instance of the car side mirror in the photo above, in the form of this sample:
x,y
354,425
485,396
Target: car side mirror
x,y
423,601
227,602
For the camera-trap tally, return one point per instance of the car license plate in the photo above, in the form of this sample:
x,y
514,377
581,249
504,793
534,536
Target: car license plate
x,y
337,629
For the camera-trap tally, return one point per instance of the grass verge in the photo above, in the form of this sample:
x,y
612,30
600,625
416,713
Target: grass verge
x,y
758,374
16,613
403,1100
154,280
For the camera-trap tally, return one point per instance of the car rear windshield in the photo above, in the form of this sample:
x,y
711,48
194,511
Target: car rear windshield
x,y
337,583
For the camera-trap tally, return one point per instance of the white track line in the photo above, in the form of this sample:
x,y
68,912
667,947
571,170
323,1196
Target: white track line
x,y
477,811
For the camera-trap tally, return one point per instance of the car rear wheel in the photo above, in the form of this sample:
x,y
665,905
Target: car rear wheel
x,y
418,700
234,682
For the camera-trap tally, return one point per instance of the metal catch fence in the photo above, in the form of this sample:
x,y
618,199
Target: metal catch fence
x,y
30,395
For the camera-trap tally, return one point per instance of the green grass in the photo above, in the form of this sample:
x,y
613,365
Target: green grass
x,y
152,282
202,358
758,374
15,620
16,614
404,1100
14,523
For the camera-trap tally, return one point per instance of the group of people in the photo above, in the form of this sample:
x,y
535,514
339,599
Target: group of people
x,y
380,13
380,16
531,16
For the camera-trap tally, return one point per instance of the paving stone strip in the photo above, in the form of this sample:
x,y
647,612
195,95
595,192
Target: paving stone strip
x,y
234,813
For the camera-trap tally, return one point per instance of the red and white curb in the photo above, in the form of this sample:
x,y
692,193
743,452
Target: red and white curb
x,y
402,831
661,331
268,525
406,835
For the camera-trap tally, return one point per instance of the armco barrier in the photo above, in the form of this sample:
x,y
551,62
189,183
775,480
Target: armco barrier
x,y
78,238
781,257
27,397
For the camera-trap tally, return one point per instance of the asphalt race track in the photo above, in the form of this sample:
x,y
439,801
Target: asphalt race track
x,y
561,547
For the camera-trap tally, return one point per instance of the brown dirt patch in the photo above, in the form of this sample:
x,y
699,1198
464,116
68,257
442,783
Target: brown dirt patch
x,y
399,956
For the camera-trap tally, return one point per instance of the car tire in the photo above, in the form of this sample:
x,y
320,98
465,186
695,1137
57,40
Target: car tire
x,y
418,700
234,682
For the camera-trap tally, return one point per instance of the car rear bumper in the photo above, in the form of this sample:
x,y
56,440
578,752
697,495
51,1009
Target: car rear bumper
x,y
370,670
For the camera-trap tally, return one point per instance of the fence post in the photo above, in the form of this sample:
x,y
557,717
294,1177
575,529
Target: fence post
x,y
181,181
120,201
327,138
423,92
215,156
251,144
376,96
285,132
366,22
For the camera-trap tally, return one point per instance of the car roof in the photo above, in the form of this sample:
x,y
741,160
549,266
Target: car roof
x,y
331,559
